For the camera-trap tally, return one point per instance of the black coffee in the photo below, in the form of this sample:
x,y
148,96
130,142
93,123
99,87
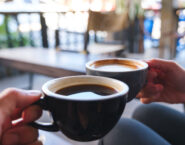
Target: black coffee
x,y
87,91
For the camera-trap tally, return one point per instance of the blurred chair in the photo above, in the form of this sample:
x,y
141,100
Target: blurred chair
x,y
108,22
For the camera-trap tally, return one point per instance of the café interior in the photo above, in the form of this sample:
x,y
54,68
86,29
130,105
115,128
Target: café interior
x,y
45,39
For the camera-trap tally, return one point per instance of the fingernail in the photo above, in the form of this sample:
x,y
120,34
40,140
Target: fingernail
x,y
10,139
34,93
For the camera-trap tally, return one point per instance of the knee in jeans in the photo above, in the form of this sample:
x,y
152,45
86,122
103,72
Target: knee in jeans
x,y
149,111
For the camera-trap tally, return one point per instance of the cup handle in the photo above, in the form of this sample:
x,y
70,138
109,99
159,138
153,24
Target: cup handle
x,y
41,125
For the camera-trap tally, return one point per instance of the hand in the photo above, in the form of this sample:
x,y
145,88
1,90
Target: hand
x,y
15,104
165,83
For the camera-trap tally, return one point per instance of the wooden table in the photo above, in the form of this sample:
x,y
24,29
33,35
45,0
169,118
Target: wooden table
x,y
47,62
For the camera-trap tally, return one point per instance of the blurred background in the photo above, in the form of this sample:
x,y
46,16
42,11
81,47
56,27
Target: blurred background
x,y
22,23
138,29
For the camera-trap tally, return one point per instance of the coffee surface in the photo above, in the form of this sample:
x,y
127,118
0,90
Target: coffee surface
x,y
115,65
86,91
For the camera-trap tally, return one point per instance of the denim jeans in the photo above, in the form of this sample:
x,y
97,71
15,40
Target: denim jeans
x,y
151,124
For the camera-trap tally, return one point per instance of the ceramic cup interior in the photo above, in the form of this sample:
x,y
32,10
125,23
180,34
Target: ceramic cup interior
x,y
131,71
51,87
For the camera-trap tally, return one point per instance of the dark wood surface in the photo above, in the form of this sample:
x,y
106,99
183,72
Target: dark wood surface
x,y
46,61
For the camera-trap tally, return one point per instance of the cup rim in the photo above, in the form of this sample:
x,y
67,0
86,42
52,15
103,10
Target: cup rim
x,y
48,92
145,65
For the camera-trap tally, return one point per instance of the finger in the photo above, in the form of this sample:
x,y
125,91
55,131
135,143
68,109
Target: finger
x,y
150,91
20,135
16,113
155,98
151,76
161,64
139,95
30,114
153,88
146,100
12,98
36,143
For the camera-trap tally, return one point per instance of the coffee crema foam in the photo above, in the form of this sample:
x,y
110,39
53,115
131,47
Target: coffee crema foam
x,y
116,65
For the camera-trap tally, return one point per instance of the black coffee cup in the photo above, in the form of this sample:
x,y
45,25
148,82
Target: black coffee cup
x,y
131,71
79,118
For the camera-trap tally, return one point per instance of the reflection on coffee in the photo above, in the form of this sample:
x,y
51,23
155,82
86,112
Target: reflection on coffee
x,y
86,91
115,65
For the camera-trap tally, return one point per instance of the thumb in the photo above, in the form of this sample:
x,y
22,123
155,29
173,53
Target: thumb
x,y
13,98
